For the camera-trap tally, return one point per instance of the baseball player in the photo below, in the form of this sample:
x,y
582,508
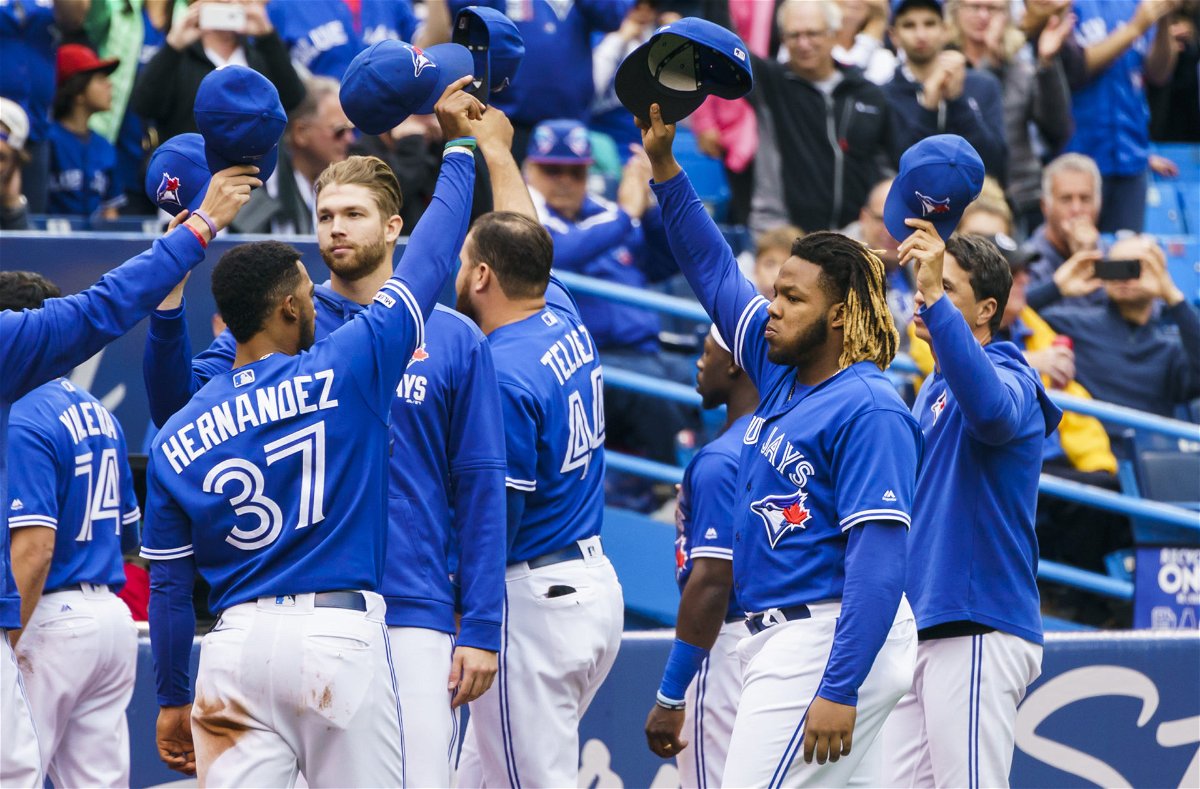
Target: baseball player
x,y
446,470
72,513
41,344
825,486
271,482
564,611
709,618
973,551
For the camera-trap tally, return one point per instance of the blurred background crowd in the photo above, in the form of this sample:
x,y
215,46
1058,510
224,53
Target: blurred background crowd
x,y
1086,114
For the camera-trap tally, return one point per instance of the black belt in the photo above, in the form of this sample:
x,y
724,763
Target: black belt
x,y
353,601
79,587
569,554
757,623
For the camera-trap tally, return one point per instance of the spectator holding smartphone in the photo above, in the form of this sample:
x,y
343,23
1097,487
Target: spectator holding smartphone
x,y
1141,346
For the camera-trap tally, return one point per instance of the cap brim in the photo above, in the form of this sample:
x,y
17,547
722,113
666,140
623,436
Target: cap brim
x,y
638,89
454,62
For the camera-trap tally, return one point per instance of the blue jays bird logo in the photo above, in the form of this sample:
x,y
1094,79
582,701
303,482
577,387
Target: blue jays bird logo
x,y
783,513
421,61
419,355
931,206
938,407
168,189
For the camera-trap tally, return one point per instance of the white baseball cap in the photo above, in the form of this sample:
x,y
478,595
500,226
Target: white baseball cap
x,y
12,116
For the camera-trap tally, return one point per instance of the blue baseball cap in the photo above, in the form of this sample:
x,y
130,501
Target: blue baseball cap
x,y
900,6
681,65
239,114
391,80
939,177
495,45
562,141
177,174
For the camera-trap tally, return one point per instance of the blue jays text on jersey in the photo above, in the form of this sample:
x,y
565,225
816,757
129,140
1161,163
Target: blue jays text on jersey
x,y
73,476
325,37
552,393
40,344
707,505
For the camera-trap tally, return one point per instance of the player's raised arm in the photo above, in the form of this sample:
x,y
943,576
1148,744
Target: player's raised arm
x,y
703,255
39,344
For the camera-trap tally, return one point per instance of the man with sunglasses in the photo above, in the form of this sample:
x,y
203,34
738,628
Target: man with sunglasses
x,y
318,134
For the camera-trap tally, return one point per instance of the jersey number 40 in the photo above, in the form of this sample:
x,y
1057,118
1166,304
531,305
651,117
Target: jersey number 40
x,y
251,498
585,438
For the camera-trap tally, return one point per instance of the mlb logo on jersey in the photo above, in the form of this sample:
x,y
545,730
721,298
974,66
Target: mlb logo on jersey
x,y
783,513
168,190
243,378
385,299
931,206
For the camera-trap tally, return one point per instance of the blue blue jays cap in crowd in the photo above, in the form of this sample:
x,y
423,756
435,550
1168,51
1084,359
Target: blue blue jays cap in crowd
x,y
391,80
939,177
495,45
177,174
900,6
680,66
240,116
562,141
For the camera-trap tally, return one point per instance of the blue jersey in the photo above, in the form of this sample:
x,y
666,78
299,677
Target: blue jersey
x,y
603,242
41,344
73,477
446,473
83,173
325,36
274,476
552,393
707,503
555,78
973,552
826,473
28,43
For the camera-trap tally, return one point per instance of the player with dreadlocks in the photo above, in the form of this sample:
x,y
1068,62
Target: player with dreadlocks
x,y
825,489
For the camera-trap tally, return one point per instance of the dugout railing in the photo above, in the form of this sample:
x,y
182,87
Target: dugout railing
x,y
1184,521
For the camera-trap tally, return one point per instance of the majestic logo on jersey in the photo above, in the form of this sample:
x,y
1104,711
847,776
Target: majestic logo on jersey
x,y
783,513
938,407
243,378
711,534
889,496
17,505
168,190
421,61
931,206
419,355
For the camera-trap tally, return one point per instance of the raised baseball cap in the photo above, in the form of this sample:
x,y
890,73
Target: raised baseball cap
x,y
239,114
390,80
561,141
15,119
900,6
495,44
177,174
75,59
681,65
939,177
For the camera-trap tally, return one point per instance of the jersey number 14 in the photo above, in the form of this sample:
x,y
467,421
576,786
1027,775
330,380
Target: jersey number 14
x,y
252,500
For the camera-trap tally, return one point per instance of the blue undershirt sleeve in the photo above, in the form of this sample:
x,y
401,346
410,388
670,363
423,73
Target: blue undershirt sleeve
x,y
172,628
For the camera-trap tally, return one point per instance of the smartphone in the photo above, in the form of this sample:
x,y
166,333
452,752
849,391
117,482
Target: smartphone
x,y
1118,269
223,16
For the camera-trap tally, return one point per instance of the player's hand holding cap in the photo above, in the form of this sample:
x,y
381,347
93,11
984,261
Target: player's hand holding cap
x,y
681,65
939,177
391,80
239,114
495,44
177,174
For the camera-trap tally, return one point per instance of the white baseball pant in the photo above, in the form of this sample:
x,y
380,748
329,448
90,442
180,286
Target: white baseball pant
x,y
284,686
20,757
423,658
78,657
782,669
956,726
712,701
555,652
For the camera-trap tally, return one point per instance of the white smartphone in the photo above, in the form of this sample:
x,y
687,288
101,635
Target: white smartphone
x,y
223,16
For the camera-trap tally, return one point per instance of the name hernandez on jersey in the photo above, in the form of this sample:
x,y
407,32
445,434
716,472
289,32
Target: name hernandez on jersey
x,y
301,394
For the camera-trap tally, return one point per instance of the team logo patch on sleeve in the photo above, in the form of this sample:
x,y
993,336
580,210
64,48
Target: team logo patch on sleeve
x,y
938,407
783,513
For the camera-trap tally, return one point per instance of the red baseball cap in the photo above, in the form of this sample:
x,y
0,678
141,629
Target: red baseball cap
x,y
77,59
